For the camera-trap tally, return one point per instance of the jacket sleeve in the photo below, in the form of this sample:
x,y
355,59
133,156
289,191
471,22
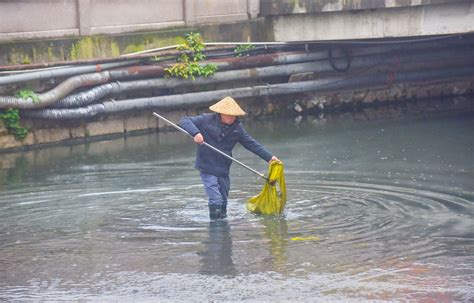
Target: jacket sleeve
x,y
252,145
192,124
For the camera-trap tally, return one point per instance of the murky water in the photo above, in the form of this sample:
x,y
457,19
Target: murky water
x,y
379,211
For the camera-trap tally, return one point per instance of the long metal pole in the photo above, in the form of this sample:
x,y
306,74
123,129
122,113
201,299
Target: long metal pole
x,y
211,147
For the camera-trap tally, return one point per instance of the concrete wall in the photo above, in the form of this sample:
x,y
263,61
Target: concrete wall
x,y
30,19
448,18
111,17
26,19
220,11
21,20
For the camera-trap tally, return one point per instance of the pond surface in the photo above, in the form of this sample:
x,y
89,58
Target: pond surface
x,y
376,211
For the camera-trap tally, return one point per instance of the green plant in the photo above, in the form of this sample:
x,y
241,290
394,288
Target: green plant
x,y
27,93
11,120
187,65
243,49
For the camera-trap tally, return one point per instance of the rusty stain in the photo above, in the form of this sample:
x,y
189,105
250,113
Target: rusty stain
x,y
241,62
253,73
147,70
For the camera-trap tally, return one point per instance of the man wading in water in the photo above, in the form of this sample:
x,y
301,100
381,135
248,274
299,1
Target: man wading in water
x,y
222,130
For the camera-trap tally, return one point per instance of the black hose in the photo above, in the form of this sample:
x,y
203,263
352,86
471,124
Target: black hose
x,y
333,84
346,55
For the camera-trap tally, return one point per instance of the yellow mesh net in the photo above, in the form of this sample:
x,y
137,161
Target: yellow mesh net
x,y
272,199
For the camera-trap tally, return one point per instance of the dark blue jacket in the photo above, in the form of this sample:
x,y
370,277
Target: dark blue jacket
x,y
222,137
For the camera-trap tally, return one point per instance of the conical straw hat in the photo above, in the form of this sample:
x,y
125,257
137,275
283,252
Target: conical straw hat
x,y
227,106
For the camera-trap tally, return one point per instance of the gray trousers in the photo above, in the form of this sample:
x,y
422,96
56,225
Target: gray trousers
x,y
217,188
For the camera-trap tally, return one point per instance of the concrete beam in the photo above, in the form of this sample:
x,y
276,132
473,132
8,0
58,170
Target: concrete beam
x,y
253,8
285,7
452,18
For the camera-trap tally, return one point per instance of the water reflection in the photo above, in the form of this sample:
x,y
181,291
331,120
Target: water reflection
x,y
276,231
17,173
381,211
216,259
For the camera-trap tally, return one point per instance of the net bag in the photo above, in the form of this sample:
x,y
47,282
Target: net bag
x,y
272,199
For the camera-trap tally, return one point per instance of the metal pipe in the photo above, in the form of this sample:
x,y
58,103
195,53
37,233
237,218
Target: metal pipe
x,y
50,97
206,44
46,99
73,83
81,99
354,81
438,59
212,147
383,47
67,113
324,42
318,86
95,94
14,71
62,72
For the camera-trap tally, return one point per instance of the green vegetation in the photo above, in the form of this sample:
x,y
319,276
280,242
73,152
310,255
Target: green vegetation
x,y
11,120
27,93
241,50
11,116
187,65
94,47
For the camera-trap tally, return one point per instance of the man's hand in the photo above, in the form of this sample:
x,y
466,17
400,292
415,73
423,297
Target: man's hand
x,y
272,159
198,138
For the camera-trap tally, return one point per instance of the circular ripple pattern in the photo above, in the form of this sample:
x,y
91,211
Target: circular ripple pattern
x,y
380,219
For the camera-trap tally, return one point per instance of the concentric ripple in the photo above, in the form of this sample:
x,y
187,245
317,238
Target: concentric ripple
x,y
371,215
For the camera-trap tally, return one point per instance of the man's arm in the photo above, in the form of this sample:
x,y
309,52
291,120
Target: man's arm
x,y
252,145
192,125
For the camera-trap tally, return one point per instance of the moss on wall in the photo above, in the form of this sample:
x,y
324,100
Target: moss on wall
x,y
94,47
90,47
84,48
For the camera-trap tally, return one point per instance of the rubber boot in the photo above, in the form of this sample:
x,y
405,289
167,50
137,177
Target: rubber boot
x,y
215,211
223,211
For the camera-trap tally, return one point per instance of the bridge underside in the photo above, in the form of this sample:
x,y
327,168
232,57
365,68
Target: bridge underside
x,y
405,21
96,34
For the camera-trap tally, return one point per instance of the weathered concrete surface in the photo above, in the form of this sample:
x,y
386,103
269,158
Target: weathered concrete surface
x,y
46,134
285,7
448,18
74,25
72,49
376,98
419,99
22,20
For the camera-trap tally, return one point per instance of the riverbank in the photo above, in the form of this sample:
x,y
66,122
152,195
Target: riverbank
x,y
14,159
84,103
395,102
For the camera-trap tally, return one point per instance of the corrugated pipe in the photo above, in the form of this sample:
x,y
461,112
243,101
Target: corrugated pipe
x,y
81,99
203,98
62,72
99,92
73,83
50,97
439,59
66,87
